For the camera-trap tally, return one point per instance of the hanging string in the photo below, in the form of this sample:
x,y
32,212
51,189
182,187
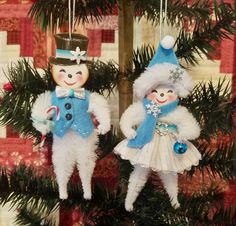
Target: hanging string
x,y
73,17
163,31
161,6
69,8
165,19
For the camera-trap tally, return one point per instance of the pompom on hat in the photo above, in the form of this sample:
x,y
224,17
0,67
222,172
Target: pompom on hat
x,y
164,69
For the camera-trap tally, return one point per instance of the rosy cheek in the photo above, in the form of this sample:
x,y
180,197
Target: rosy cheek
x,y
80,78
151,96
60,76
171,98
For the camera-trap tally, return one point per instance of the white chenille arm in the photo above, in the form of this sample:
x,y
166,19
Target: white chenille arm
x,y
188,127
100,108
133,115
39,114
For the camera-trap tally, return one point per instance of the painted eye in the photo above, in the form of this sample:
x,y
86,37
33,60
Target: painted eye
x,y
79,73
170,91
62,70
154,91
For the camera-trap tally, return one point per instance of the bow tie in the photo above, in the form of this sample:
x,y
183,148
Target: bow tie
x,y
63,92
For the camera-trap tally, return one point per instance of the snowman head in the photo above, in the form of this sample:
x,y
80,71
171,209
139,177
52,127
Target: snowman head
x,y
70,76
163,95
69,69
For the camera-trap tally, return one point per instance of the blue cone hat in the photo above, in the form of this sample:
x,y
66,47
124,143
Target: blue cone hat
x,y
163,69
165,53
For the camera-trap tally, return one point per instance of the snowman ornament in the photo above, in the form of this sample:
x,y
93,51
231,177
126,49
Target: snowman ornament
x,y
66,112
161,140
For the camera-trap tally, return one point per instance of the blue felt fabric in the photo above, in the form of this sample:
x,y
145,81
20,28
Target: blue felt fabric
x,y
147,128
164,56
80,121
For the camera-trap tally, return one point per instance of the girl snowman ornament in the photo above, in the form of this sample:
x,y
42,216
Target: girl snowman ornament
x,y
160,142
70,107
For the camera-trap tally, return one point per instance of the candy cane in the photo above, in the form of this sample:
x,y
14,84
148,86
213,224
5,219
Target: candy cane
x,y
57,111
43,138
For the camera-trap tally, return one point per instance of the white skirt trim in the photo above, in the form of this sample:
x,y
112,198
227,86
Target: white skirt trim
x,y
159,155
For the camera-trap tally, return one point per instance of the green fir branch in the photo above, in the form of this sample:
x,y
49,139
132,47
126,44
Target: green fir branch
x,y
216,161
207,208
178,11
28,217
39,193
205,27
141,58
16,104
108,142
212,107
103,77
25,188
53,13
190,44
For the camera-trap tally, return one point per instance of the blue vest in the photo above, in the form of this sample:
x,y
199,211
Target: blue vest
x,y
73,115
147,128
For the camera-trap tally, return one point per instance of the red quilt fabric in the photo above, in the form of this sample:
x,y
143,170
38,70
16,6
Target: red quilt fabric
x,y
26,38
95,40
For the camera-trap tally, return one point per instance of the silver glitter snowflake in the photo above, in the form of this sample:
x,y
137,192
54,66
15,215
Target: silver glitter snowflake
x,y
153,109
176,75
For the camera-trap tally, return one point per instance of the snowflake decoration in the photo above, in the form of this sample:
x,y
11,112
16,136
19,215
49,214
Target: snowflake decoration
x,y
78,55
176,75
153,109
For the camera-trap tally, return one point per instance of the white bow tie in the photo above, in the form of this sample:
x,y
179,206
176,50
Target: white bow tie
x,y
64,92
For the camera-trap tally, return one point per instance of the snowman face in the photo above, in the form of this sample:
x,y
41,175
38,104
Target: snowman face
x,y
70,76
162,95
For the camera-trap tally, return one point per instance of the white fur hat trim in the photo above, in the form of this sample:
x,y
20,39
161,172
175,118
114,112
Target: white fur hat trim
x,y
163,74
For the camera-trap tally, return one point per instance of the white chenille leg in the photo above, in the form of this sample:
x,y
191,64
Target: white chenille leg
x,y
170,182
86,161
137,181
63,161
86,171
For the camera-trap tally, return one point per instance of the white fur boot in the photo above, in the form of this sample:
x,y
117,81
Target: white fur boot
x,y
170,182
86,161
137,181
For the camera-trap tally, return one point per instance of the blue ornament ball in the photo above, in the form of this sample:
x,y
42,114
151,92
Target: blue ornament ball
x,y
180,148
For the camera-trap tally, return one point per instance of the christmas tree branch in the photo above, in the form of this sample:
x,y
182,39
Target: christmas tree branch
x,y
28,217
212,106
198,42
53,13
103,77
16,104
208,21
216,161
177,11
204,27
34,195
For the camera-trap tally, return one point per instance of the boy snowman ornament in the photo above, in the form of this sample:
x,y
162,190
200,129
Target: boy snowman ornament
x,y
160,142
66,113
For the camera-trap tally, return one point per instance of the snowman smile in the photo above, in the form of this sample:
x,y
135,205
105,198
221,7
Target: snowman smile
x,y
69,84
161,101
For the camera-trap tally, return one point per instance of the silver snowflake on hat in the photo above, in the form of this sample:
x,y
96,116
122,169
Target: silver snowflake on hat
x,y
78,55
153,109
176,75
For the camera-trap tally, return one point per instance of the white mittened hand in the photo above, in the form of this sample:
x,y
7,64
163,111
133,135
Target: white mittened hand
x,y
45,127
103,129
181,139
130,134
